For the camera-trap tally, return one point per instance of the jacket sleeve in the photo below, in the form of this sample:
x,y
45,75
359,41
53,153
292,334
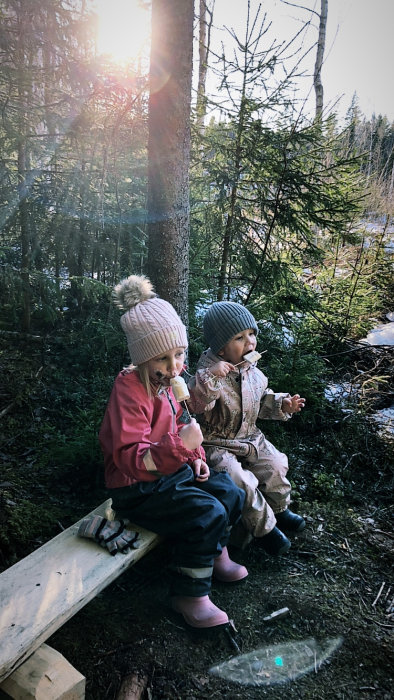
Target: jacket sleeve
x,y
204,389
271,406
126,433
199,453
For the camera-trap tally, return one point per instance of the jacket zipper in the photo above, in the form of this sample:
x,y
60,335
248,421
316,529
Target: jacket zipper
x,y
173,412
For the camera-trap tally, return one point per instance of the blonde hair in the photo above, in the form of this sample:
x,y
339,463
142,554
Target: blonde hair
x,y
143,373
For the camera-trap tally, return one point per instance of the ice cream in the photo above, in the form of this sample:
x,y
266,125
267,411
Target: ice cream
x,y
179,387
252,356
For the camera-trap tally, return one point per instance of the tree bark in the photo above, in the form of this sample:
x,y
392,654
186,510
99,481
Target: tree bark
x,y
321,43
224,274
169,150
23,169
203,50
133,687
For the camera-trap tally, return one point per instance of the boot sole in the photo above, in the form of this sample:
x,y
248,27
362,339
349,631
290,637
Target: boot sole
x,y
233,582
293,532
279,552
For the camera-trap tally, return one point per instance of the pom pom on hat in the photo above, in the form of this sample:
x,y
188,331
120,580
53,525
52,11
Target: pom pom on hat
x,y
151,325
132,291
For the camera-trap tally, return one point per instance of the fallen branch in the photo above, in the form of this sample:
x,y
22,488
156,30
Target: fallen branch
x,y
133,687
20,336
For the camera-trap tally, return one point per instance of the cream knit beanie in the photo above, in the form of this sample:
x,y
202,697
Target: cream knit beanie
x,y
151,325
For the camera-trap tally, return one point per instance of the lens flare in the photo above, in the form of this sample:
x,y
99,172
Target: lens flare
x,y
277,663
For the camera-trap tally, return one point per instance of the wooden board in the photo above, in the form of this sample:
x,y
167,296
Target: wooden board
x,y
46,588
45,675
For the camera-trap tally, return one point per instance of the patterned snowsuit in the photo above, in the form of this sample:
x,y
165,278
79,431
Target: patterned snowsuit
x,y
227,410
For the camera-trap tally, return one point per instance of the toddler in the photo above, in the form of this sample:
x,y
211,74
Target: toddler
x,y
229,394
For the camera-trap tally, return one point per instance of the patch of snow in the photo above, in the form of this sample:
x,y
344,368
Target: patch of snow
x,y
376,226
288,331
381,335
340,272
385,419
288,337
339,392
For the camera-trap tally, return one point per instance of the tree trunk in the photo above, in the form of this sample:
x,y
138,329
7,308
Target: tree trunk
x,y
23,168
169,150
224,274
25,235
321,43
203,50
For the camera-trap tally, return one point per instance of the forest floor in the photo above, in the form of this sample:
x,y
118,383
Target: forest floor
x,y
335,582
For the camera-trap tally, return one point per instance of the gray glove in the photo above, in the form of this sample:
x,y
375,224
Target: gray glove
x,y
110,534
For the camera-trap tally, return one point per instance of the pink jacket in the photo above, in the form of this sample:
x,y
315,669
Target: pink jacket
x,y
139,436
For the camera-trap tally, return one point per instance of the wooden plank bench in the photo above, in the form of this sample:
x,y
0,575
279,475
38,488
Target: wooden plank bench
x,y
41,592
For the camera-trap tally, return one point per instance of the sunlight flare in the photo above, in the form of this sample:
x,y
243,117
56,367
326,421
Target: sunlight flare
x,y
123,29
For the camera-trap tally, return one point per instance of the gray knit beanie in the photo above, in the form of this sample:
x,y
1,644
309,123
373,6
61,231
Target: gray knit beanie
x,y
223,320
151,325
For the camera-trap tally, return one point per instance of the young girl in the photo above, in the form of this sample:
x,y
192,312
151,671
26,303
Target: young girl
x,y
155,469
230,394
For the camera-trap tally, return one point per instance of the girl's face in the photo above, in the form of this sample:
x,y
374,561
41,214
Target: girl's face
x,y
238,346
164,367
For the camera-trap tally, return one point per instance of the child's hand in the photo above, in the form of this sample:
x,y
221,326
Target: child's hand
x,y
294,404
221,369
201,470
191,435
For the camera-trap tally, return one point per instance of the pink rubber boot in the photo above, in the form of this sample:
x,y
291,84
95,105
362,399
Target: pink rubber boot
x,y
199,612
226,570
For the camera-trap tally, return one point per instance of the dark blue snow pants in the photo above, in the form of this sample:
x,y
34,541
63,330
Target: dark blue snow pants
x,y
196,517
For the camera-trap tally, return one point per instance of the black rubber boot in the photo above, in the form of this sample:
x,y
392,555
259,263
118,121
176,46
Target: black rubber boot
x,y
289,521
275,542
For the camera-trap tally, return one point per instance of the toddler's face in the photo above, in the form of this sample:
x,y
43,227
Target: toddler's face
x,y
238,346
163,367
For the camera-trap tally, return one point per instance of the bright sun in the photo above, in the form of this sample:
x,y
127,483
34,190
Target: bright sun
x,y
123,29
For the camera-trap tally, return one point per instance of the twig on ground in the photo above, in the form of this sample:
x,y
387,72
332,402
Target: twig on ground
x,y
379,594
232,640
6,409
113,651
382,532
376,622
327,575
